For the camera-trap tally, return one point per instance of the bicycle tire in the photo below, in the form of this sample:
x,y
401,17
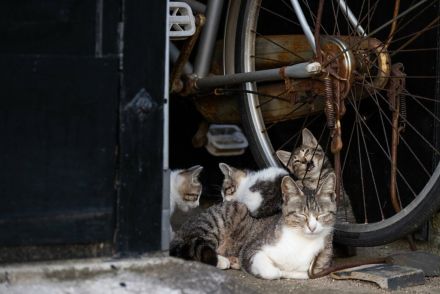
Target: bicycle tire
x,y
426,202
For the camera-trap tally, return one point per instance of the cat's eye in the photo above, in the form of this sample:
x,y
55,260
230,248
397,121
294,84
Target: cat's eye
x,y
322,215
301,215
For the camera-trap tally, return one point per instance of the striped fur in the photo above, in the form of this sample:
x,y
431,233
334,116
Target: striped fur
x,y
309,164
292,238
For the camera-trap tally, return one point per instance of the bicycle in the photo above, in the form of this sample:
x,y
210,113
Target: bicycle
x,y
343,80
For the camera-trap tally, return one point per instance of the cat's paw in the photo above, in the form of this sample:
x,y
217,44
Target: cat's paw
x,y
234,262
223,262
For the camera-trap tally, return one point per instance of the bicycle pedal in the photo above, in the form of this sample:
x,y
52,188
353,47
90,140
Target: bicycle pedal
x,y
225,140
181,23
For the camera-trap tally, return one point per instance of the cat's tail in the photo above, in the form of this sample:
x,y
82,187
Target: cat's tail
x,y
197,249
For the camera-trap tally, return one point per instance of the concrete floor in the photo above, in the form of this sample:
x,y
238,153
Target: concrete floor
x,y
157,273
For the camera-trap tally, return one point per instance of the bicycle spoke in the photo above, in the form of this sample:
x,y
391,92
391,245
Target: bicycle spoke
x,y
383,150
313,15
361,170
279,15
411,126
403,140
279,45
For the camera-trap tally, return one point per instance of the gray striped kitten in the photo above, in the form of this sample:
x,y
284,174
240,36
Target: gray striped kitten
x,y
259,190
286,245
309,164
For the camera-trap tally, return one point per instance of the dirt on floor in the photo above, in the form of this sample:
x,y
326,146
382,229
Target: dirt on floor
x,y
158,273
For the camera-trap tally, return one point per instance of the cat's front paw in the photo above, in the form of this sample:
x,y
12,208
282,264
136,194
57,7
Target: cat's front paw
x,y
223,262
234,262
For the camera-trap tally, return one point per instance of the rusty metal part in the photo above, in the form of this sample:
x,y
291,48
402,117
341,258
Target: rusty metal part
x,y
368,52
419,33
199,139
395,88
329,110
317,31
345,265
393,24
338,173
341,68
277,51
290,91
176,83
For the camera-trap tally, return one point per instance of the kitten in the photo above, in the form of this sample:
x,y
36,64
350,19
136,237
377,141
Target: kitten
x,y
259,190
286,245
309,164
185,188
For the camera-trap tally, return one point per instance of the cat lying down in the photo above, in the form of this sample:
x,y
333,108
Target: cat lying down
x,y
288,244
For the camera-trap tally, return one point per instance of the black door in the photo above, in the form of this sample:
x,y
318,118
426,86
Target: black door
x,y
64,96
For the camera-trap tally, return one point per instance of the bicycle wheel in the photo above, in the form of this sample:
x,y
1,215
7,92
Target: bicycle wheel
x,y
379,95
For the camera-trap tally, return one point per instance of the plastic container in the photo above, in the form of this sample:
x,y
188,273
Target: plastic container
x,y
225,140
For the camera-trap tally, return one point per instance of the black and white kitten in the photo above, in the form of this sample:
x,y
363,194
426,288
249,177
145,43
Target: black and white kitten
x,y
259,190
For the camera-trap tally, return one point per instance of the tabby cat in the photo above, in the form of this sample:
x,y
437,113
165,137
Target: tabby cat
x,y
259,190
288,244
309,164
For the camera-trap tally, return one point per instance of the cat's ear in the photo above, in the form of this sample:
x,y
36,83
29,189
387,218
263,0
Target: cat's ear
x,y
284,156
290,189
226,169
195,172
229,171
308,139
328,186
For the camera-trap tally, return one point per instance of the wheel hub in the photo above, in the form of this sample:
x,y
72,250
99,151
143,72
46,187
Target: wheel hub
x,y
340,62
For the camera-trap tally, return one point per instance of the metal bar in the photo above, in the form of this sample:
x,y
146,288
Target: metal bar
x,y
176,84
174,55
304,25
318,29
196,6
300,70
394,24
351,18
208,38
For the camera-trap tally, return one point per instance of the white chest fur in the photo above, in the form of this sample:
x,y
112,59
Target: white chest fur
x,y
294,251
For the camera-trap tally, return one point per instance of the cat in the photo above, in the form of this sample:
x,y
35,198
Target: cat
x,y
259,190
291,244
185,188
185,191
308,163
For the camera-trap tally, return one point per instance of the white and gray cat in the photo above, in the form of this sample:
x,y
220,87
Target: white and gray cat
x,y
259,190
309,164
185,188
293,243
185,191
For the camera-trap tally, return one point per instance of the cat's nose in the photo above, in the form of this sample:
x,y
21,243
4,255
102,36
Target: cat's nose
x,y
312,224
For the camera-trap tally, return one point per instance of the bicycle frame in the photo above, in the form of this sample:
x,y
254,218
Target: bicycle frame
x,y
208,38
